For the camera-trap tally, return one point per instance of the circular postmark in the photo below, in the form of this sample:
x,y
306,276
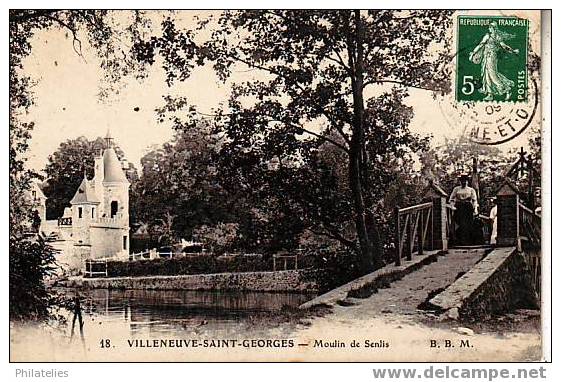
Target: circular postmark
x,y
492,122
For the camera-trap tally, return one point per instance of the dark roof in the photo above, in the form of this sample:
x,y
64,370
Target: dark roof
x,y
85,194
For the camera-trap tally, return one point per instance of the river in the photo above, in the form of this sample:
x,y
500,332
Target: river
x,y
172,311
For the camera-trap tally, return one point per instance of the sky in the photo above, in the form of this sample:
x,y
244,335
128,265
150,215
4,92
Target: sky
x,y
67,104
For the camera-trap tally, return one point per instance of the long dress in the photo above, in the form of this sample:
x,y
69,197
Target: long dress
x,y
493,216
493,82
464,199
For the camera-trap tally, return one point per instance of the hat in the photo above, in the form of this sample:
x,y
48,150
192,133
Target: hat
x,y
463,175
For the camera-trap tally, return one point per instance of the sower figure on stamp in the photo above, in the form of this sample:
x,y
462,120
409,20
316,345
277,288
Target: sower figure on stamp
x,y
487,54
464,201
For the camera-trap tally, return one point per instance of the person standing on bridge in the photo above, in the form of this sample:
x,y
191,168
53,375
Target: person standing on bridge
x,y
493,217
464,201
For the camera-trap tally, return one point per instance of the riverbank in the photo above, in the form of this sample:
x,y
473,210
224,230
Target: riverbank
x,y
301,281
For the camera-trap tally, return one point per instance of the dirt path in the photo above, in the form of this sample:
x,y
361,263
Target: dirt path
x,y
404,296
392,315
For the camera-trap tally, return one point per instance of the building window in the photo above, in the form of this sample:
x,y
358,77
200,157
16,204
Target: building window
x,y
79,212
114,208
125,242
93,212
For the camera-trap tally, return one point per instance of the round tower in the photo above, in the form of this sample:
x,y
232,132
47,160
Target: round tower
x,y
111,230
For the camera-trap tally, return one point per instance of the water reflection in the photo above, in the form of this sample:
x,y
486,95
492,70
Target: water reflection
x,y
173,311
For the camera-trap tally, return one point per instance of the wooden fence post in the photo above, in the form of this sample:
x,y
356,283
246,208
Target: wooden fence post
x,y
410,238
397,237
420,229
438,223
507,215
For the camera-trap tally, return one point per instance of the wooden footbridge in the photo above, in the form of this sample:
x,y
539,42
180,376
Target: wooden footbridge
x,y
479,279
430,224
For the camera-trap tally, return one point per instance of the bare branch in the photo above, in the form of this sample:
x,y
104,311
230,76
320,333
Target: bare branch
x,y
320,136
75,39
335,236
401,83
316,107
292,125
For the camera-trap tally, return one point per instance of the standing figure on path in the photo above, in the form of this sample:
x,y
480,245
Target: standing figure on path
x,y
493,216
464,201
486,53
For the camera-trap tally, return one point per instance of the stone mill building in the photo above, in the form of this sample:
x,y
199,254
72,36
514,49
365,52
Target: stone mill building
x,y
96,225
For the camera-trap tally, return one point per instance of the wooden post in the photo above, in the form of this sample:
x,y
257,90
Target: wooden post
x,y
410,238
397,237
438,238
430,222
77,310
507,216
420,229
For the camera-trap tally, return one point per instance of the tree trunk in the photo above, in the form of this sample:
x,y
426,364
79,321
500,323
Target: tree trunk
x,y
366,250
375,240
356,164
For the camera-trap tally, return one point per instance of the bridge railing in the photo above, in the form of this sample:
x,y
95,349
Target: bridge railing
x,y
450,224
520,226
529,242
413,225
529,226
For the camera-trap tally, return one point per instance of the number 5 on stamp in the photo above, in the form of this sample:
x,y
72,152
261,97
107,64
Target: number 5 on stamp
x,y
492,59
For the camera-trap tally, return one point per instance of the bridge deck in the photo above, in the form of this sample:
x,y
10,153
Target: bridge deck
x,y
404,296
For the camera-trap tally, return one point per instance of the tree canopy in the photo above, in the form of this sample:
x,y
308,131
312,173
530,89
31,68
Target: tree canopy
x,y
335,78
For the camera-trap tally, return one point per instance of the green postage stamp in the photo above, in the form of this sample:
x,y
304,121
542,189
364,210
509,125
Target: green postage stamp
x,y
492,59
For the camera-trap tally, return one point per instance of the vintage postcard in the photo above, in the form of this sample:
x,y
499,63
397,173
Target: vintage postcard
x,y
278,185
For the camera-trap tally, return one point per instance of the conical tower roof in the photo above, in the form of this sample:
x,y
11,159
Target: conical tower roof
x,y
113,173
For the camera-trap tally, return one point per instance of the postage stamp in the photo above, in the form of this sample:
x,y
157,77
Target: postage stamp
x,y
492,59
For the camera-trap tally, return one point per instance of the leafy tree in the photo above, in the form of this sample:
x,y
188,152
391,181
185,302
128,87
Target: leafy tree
x,y
66,167
31,261
219,237
315,79
179,180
